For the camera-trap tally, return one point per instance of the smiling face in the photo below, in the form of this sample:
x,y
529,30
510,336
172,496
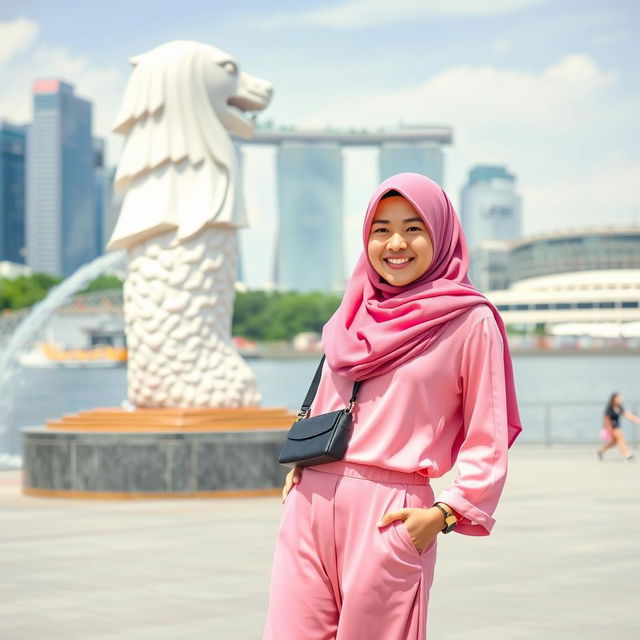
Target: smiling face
x,y
400,248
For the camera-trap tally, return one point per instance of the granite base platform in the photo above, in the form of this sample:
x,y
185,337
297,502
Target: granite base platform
x,y
164,464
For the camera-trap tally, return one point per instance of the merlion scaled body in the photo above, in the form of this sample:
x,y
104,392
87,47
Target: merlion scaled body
x,y
181,209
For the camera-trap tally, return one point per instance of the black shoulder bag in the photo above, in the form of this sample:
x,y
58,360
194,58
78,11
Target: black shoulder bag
x,y
321,439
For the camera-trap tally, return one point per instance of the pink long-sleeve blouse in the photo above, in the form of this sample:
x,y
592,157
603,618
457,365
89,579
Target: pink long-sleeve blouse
x,y
438,427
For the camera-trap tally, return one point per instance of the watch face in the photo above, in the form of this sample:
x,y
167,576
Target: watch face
x,y
451,523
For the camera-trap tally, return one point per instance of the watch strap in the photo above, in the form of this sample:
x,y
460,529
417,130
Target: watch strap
x,y
450,519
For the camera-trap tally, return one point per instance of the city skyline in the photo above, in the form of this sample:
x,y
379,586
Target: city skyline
x,y
546,88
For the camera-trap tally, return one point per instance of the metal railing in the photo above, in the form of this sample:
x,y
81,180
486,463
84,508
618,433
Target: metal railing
x,y
562,422
548,423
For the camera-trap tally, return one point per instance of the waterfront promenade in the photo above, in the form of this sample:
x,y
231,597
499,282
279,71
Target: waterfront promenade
x,y
563,562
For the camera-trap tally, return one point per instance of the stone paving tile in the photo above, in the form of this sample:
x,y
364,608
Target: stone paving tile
x,y
562,563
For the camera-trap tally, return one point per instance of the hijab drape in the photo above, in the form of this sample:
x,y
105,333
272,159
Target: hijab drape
x,y
379,326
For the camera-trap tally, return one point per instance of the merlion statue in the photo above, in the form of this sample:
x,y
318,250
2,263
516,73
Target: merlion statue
x,y
180,214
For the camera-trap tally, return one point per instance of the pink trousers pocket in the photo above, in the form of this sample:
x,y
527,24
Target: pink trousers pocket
x,y
413,496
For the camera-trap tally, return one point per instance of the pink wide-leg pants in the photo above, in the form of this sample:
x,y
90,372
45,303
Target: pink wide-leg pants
x,y
336,575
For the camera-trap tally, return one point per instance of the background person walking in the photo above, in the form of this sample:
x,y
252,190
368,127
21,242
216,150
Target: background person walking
x,y
611,423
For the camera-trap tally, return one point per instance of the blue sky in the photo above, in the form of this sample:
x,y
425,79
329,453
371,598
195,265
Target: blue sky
x,y
548,87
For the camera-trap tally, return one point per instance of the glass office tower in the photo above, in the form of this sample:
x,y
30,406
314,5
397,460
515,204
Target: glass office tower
x,y
491,216
61,217
310,252
12,192
491,208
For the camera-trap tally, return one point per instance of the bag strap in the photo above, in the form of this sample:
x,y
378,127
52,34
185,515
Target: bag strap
x,y
313,388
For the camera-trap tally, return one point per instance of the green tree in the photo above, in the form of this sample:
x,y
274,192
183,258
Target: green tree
x,y
281,315
25,291
102,283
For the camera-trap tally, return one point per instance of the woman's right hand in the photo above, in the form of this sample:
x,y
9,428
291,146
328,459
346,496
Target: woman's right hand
x,y
293,477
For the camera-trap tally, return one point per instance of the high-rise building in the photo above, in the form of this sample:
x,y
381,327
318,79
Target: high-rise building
x,y
491,207
310,252
491,214
61,218
12,192
416,157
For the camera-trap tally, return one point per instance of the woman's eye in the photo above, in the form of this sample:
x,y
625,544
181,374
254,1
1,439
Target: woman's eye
x,y
414,229
380,229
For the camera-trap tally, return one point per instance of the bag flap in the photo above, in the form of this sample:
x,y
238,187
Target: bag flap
x,y
313,427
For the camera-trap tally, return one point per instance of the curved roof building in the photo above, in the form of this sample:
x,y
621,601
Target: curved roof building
x,y
574,276
575,250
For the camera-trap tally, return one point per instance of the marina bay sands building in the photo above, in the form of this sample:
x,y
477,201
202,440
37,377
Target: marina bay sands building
x,y
310,243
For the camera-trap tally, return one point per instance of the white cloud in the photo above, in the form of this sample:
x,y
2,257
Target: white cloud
x,y
15,37
367,13
482,95
102,86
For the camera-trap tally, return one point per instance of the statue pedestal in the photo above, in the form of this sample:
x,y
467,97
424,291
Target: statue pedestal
x,y
157,453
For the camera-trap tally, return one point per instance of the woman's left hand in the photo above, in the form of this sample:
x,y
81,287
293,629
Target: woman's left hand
x,y
423,525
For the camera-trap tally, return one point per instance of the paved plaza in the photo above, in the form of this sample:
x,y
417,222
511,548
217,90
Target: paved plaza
x,y
563,562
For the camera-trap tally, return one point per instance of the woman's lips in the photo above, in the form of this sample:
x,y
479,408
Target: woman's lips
x,y
401,265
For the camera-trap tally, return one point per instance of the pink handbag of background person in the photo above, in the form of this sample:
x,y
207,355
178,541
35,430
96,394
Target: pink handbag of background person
x,y
605,434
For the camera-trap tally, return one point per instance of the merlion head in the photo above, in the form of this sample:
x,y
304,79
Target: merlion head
x,y
182,102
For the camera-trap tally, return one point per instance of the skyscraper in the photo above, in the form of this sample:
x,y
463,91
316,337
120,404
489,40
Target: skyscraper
x,y
12,192
61,219
491,216
310,252
491,208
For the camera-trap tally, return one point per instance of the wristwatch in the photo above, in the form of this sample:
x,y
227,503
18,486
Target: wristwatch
x,y
449,519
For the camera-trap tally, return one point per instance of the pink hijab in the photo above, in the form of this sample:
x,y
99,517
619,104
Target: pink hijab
x,y
379,326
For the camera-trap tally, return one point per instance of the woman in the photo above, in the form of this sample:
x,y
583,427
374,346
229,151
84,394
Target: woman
x,y
356,548
612,413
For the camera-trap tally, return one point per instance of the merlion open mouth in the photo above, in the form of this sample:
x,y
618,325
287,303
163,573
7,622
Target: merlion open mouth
x,y
248,104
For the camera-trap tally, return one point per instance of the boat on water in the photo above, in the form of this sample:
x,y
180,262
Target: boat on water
x,y
49,355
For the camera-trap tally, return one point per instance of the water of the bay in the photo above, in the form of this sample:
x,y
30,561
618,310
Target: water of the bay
x,y
560,395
